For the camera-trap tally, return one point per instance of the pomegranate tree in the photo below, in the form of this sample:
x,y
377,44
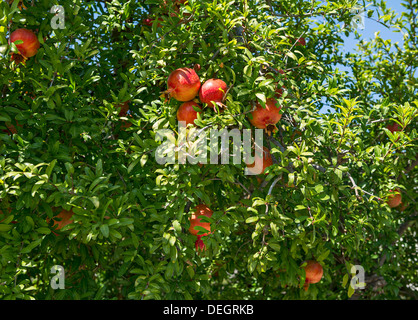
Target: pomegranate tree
x,y
183,84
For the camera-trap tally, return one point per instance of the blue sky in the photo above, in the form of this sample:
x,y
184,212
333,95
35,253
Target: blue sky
x,y
370,28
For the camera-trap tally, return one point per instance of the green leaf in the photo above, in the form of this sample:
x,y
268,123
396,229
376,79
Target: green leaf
x,y
261,97
44,230
95,201
104,229
31,246
345,280
275,246
251,219
350,291
5,227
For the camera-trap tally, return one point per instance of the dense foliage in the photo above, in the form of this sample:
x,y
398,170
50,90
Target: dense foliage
x,y
65,145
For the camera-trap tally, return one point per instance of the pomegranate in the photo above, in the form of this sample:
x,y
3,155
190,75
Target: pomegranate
x,y
64,218
199,211
186,112
148,22
395,198
213,90
183,84
301,42
393,127
267,161
266,118
30,44
124,108
314,272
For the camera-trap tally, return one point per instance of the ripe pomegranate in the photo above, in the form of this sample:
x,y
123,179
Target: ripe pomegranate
x,y
314,272
186,112
213,90
183,84
199,211
64,218
266,118
267,161
301,42
124,109
30,44
148,22
394,198
393,127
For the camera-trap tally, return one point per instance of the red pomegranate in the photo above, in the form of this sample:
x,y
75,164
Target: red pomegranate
x,y
393,127
124,108
394,198
148,22
64,218
301,42
266,162
266,118
314,272
183,84
186,112
30,44
199,211
212,90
